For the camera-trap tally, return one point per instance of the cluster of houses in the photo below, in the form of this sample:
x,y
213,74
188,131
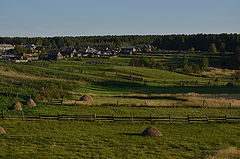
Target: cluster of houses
x,y
132,49
100,51
87,52
6,53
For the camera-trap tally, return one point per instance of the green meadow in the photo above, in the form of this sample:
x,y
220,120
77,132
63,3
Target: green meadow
x,y
53,139
123,90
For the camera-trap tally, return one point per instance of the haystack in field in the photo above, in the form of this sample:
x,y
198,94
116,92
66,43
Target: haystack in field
x,y
31,103
2,131
86,98
152,132
16,106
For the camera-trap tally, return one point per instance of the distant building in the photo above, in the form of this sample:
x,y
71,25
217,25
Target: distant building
x,y
146,48
14,58
102,48
6,47
30,46
69,52
128,50
55,55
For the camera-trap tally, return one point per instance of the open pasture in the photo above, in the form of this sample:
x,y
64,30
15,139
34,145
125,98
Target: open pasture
x,y
53,139
118,89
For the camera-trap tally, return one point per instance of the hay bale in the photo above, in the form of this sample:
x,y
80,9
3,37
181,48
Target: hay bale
x,y
86,98
2,131
229,84
152,132
31,103
16,106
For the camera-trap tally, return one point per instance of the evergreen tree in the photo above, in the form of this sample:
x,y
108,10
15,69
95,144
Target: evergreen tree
x,y
205,63
222,47
18,50
187,69
195,68
185,61
236,59
212,48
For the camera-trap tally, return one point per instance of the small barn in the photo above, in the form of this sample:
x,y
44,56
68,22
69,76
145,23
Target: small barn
x,y
128,50
55,55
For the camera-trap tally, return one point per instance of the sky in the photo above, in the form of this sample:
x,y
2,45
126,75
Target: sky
x,y
47,18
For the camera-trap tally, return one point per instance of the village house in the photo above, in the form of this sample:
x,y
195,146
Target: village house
x,y
71,52
128,50
91,52
102,48
68,52
30,46
14,58
55,55
146,48
6,47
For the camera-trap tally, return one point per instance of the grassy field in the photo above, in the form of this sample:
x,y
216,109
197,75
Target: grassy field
x,y
110,81
51,139
124,110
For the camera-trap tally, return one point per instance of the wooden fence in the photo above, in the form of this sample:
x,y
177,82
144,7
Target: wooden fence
x,y
132,118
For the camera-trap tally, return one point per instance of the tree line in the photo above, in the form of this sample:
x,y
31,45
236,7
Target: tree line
x,y
213,43
198,42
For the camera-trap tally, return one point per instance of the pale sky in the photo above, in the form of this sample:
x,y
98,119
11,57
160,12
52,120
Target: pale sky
x,y
117,17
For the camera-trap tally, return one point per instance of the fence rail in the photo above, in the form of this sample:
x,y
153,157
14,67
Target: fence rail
x,y
132,118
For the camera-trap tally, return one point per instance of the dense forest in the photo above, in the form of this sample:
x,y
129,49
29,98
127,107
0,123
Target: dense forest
x,y
198,42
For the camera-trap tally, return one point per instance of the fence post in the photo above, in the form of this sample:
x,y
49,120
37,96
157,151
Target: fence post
x,y
113,117
188,118
145,103
132,117
48,101
22,115
207,118
117,102
62,101
173,105
57,116
170,120
230,105
95,117
151,118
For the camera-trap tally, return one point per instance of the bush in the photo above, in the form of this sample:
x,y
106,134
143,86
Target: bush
x,y
195,68
236,75
187,69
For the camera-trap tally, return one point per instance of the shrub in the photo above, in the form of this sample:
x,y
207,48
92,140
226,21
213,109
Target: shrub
x,y
187,69
195,68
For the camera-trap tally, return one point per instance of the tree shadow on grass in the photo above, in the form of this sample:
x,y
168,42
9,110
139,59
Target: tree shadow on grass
x,y
135,87
152,97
